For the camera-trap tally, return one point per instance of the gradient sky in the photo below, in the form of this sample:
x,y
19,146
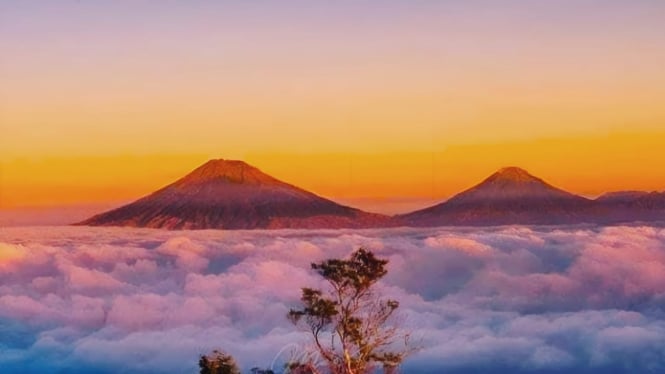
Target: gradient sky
x,y
405,102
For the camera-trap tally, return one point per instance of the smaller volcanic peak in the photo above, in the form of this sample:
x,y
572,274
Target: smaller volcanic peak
x,y
227,171
509,196
511,185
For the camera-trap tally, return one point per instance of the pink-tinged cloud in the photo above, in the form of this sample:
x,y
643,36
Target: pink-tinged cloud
x,y
513,299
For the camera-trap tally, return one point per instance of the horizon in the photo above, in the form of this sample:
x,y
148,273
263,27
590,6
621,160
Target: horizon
x,y
396,206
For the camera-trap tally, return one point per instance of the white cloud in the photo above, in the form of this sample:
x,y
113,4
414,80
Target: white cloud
x,y
516,299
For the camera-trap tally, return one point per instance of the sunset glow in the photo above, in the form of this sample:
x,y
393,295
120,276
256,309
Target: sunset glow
x,y
391,182
409,101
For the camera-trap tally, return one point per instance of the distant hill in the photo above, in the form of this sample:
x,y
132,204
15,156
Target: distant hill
x,y
229,194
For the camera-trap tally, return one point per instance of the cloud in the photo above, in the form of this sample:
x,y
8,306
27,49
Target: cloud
x,y
509,299
462,244
188,254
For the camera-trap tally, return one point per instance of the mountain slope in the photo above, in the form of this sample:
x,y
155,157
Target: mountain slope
x,y
229,194
631,206
509,196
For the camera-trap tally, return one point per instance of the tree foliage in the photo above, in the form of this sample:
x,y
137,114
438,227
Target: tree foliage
x,y
350,324
218,362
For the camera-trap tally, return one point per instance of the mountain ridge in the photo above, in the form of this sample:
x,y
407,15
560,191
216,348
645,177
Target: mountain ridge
x,y
231,194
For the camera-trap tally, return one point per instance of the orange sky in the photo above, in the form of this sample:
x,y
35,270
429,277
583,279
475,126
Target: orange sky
x,y
387,182
385,107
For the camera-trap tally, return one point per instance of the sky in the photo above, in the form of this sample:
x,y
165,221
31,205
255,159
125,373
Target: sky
x,y
382,105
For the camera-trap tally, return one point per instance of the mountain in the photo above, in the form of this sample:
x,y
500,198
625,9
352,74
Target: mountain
x,y
229,194
621,197
631,206
634,199
509,196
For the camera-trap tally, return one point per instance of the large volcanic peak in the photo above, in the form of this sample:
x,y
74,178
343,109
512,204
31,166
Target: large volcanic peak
x,y
231,194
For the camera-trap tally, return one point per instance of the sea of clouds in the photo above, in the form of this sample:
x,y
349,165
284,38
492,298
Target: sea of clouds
x,y
499,300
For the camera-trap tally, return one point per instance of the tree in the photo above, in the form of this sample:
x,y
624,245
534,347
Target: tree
x,y
350,325
218,362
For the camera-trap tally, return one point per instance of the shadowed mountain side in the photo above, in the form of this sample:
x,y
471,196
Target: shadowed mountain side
x,y
227,194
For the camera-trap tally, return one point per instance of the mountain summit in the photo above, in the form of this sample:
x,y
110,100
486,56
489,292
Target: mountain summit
x,y
513,174
509,196
511,185
231,194
227,171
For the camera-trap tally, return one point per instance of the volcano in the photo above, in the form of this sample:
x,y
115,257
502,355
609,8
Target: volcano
x,y
509,196
231,194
